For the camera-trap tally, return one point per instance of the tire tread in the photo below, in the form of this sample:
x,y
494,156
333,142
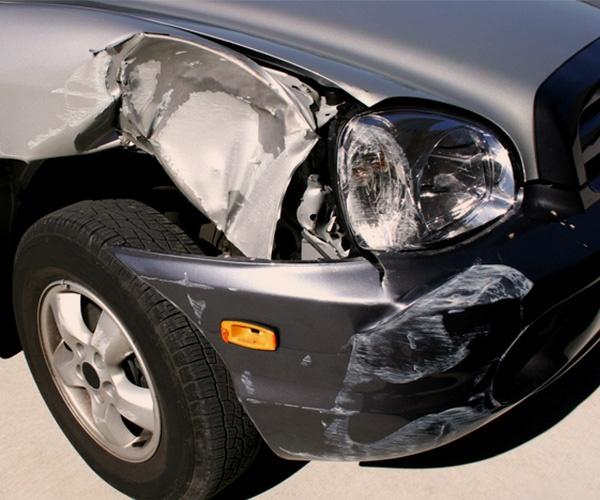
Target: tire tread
x,y
211,399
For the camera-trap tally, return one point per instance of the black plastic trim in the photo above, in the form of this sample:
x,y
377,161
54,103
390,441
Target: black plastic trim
x,y
559,103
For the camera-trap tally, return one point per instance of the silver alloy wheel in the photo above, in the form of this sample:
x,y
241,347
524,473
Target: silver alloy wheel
x,y
98,371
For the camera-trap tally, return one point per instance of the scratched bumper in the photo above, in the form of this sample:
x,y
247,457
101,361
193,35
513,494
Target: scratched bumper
x,y
371,368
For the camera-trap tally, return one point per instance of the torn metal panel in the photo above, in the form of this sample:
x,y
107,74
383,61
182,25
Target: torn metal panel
x,y
229,132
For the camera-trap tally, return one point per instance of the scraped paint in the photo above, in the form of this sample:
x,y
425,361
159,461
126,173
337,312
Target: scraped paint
x,y
85,96
247,382
414,342
410,344
228,131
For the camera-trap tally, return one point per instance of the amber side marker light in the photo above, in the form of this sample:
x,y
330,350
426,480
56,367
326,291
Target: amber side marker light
x,y
248,335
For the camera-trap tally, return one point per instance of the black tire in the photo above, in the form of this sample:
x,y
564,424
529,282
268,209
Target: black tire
x,y
206,439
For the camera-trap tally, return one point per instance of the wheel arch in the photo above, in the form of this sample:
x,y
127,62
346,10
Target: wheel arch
x,y
30,191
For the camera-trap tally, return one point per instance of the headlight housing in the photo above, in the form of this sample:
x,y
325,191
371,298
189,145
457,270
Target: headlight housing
x,y
410,179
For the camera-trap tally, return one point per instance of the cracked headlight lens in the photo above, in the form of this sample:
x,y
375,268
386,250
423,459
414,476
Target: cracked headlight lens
x,y
410,179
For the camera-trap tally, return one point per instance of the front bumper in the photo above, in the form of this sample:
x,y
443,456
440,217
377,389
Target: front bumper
x,y
377,361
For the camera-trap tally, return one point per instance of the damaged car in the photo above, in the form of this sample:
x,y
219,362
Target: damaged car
x,y
350,232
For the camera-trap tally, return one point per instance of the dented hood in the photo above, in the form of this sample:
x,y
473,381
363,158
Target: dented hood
x,y
487,57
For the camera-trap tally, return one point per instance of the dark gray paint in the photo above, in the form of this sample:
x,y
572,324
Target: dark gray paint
x,y
341,386
347,349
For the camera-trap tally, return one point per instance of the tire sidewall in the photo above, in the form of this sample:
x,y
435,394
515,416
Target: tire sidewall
x,y
47,258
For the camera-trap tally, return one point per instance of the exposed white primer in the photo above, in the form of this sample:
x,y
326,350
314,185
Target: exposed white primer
x,y
431,430
414,343
144,79
247,382
198,306
85,96
306,361
184,282
42,138
212,152
229,131
411,344
85,92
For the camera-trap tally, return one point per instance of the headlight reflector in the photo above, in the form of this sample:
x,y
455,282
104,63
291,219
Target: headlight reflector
x,y
409,179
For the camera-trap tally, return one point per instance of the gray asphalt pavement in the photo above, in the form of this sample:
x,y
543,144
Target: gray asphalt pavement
x,y
562,462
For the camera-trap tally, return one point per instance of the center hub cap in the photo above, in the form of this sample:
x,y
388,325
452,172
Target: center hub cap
x,y
90,375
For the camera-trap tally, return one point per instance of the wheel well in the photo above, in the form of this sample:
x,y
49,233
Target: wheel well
x,y
44,187
116,173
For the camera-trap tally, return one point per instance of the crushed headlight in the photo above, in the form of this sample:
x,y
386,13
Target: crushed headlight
x,y
409,179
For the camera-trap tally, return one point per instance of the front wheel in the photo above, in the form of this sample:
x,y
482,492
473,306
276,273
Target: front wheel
x,y
134,386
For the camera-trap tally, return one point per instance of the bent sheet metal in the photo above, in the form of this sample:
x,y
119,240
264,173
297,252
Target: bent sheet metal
x,y
228,131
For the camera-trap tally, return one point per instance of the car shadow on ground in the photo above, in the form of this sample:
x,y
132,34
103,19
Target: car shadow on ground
x,y
266,472
524,422
531,418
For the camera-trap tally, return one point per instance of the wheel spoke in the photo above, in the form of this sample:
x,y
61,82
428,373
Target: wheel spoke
x,y
100,374
65,363
66,307
109,423
109,341
134,403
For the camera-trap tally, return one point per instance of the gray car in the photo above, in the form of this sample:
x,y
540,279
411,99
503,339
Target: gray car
x,y
351,231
